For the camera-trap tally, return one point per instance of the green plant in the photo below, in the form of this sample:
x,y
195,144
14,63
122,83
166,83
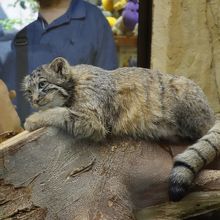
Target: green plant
x,y
32,4
9,24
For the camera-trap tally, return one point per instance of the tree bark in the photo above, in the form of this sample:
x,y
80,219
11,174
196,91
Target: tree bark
x,y
46,174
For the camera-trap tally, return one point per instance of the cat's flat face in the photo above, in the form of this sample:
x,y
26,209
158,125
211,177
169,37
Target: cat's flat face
x,y
43,94
45,89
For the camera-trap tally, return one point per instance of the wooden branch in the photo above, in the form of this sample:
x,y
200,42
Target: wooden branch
x,y
19,140
46,174
195,204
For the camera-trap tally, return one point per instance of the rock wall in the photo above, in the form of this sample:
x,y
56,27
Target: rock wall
x,y
186,41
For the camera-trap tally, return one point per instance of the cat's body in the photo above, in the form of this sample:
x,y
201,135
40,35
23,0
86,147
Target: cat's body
x,y
89,102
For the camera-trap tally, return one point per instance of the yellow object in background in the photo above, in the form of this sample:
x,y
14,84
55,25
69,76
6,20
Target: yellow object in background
x,y
107,5
111,21
119,4
110,5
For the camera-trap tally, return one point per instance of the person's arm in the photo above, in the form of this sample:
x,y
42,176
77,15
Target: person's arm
x,y
5,51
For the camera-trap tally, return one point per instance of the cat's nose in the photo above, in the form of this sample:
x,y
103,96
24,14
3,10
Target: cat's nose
x,y
35,101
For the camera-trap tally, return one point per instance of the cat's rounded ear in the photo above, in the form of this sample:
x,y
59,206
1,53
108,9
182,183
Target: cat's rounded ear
x,y
60,66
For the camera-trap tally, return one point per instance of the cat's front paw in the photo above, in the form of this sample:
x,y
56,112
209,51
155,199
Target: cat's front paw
x,y
180,181
33,122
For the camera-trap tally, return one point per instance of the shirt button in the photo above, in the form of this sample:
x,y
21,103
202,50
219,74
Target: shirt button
x,y
72,41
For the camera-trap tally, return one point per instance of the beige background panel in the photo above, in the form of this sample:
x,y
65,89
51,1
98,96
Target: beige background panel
x,y
186,41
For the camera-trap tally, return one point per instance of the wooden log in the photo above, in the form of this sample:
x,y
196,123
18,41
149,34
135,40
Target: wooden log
x,y
46,174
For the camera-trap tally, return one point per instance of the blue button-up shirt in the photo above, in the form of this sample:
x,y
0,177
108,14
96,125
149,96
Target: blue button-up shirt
x,y
82,35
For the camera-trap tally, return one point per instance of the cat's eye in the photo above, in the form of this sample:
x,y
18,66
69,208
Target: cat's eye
x,y
42,84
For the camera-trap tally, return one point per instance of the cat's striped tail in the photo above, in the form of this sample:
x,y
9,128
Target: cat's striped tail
x,y
192,160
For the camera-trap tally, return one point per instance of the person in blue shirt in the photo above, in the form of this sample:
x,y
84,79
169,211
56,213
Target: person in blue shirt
x,y
73,29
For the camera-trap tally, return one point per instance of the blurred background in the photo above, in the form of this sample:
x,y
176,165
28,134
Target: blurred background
x,y
176,36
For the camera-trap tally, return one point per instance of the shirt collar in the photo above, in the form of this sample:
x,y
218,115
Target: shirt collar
x,y
77,9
